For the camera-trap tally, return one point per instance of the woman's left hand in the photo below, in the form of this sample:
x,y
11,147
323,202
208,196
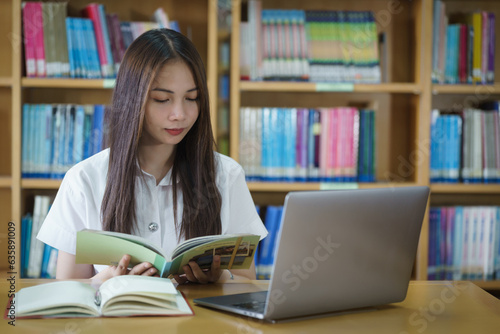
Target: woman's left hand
x,y
194,274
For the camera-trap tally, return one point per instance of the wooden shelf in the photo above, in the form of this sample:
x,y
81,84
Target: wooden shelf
x,y
40,184
5,182
281,86
461,188
466,89
5,82
68,83
488,285
308,186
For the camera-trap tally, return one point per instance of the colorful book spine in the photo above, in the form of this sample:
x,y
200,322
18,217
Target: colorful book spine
x,y
490,73
29,31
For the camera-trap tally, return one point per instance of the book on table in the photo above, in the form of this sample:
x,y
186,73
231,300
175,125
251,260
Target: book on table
x,y
107,248
120,296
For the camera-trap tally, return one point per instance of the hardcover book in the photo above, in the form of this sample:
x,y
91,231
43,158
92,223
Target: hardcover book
x,y
107,248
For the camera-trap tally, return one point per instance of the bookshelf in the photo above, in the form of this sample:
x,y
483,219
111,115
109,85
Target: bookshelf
x,y
402,103
197,19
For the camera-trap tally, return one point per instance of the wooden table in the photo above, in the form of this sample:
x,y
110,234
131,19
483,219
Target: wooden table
x,y
430,307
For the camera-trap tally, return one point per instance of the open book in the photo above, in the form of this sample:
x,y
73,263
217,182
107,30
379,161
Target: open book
x,y
119,296
104,247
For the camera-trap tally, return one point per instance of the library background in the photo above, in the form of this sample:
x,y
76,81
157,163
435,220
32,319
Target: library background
x,y
305,95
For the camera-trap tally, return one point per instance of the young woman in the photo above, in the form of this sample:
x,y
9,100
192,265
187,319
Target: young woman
x,y
160,178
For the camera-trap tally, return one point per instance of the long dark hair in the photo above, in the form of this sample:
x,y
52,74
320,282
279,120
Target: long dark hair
x,y
194,169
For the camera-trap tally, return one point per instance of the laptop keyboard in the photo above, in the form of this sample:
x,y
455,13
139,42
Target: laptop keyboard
x,y
255,306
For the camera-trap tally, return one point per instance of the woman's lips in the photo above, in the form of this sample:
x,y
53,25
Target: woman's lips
x,y
174,132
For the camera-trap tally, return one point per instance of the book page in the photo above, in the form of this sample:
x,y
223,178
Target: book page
x,y
134,295
194,242
132,238
57,298
98,248
236,252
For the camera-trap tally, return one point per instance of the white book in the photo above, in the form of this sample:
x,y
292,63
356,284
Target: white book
x,y
40,210
118,296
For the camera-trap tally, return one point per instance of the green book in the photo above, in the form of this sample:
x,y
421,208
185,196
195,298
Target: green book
x,y
103,247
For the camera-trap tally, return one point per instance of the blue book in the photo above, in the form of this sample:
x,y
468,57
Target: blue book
x,y
26,228
71,46
97,129
25,141
91,44
431,265
458,243
289,151
87,130
266,152
267,244
60,166
76,31
84,49
78,134
69,136
277,144
448,69
47,141
45,261
107,41
56,125
310,145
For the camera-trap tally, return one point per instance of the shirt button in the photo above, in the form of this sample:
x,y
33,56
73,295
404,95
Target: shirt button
x,y
153,227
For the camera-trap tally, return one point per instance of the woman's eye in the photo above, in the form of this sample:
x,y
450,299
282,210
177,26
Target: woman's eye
x,y
161,101
192,100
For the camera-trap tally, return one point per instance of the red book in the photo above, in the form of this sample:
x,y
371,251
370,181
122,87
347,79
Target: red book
x,y
29,39
41,68
92,12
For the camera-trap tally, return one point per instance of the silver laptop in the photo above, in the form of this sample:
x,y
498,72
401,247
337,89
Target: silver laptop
x,y
337,250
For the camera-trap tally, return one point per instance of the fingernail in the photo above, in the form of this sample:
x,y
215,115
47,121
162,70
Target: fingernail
x,y
152,270
147,265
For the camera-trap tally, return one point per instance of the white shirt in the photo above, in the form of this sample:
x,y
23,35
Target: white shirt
x,y
77,205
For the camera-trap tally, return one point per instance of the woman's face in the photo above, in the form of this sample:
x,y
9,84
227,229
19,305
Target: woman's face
x,y
172,105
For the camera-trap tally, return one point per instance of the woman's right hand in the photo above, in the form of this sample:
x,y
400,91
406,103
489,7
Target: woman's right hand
x,y
144,269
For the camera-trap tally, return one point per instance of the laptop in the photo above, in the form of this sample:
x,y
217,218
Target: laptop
x,y
337,250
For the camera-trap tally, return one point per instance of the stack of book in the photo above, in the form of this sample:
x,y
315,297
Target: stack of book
x,y
57,136
465,146
464,243
308,145
463,47
320,46
89,47
38,260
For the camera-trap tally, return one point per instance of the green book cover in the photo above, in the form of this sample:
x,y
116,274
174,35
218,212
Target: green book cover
x,y
107,248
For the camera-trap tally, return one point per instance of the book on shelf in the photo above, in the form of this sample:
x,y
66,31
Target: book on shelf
x,y
57,136
38,260
307,145
465,146
107,248
267,246
463,46
314,45
464,243
120,296
90,46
